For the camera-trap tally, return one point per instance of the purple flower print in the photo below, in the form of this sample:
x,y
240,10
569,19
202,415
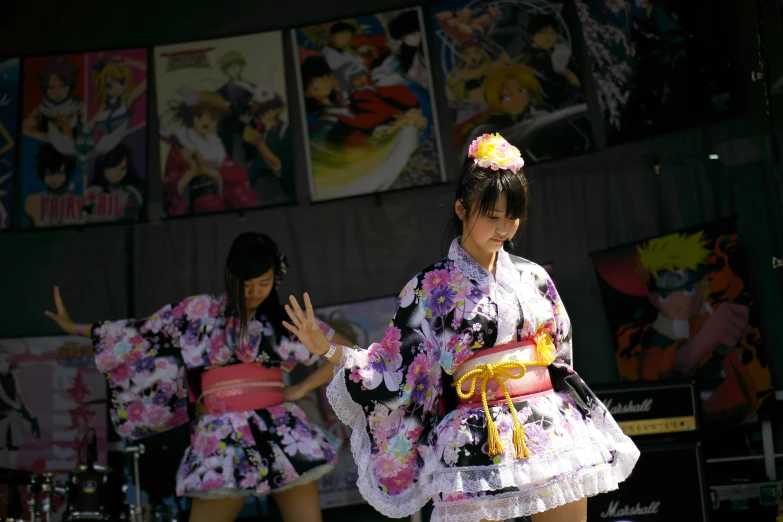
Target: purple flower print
x,y
435,279
441,300
384,361
420,385
148,363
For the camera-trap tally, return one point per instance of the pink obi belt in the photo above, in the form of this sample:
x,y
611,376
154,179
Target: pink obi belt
x,y
515,364
505,374
241,387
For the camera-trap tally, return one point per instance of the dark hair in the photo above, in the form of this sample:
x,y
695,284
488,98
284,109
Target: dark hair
x,y
65,70
112,159
314,67
405,24
479,188
49,159
340,27
251,255
539,22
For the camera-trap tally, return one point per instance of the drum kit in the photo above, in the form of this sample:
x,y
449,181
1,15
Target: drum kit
x,y
91,493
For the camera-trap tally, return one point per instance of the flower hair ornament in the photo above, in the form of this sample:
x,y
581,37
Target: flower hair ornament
x,y
283,268
494,152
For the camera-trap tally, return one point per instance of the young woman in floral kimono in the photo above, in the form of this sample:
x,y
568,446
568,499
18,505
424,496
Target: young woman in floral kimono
x,y
224,353
476,337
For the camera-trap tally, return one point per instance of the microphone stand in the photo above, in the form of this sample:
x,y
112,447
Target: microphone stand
x,y
137,452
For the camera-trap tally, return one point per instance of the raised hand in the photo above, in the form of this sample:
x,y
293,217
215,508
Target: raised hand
x,y
305,326
62,318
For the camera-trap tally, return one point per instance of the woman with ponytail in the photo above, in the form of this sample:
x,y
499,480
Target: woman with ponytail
x,y
217,360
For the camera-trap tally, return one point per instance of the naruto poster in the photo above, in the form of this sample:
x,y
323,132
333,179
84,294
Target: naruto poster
x,y
84,142
225,138
510,68
680,307
365,86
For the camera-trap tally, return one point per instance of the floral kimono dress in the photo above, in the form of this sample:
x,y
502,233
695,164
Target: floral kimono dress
x,y
409,448
153,365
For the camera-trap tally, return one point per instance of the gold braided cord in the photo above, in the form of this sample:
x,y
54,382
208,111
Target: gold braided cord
x,y
500,372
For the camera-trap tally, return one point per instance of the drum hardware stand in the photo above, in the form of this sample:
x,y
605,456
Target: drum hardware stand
x,y
137,452
45,488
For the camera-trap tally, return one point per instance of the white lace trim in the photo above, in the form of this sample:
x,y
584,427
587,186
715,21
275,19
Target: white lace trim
x,y
533,470
310,476
536,499
469,266
352,415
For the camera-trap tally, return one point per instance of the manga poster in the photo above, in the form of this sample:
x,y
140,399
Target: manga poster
x,y
9,105
680,307
225,138
51,395
659,65
362,323
365,86
84,143
510,68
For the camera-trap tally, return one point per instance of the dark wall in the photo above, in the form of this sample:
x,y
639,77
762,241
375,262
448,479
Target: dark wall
x,y
370,246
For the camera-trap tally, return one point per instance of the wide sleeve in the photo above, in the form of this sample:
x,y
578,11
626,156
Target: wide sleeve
x,y
388,395
144,365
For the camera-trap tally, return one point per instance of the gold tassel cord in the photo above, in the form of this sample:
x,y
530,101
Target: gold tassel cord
x,y
499,372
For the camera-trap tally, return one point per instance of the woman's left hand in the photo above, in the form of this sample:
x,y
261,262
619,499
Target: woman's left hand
x,y
294,393
306,327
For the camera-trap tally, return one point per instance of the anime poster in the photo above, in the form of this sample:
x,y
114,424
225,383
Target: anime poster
x,y
84,143
51,394
225,138
509,68
659,65
362,323
9,105
680,307
365,86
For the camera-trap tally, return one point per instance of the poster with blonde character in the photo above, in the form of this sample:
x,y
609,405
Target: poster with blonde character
x,y
224,131
681,307
366,92
511,67
84,141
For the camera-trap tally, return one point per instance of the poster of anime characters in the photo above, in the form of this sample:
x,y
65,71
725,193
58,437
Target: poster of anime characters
x,y
365,86
9,104
84,143
51,395
510,68
225,139
659,65
680,307
362,323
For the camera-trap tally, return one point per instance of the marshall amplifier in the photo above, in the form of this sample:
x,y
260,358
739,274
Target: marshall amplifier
x,y
652,408
667,485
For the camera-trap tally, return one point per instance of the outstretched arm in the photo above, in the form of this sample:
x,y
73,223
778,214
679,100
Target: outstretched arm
x,y
64,321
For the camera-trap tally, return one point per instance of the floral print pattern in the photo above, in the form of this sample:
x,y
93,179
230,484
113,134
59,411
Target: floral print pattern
x,y
410,448
236,453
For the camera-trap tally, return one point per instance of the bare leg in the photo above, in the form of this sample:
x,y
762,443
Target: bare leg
x,y
300,503
573,512
216,509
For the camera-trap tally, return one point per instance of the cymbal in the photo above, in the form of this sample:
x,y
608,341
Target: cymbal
x,y
18,477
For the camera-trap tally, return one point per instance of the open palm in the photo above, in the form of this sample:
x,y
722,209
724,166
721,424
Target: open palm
x,y
305,326
61,317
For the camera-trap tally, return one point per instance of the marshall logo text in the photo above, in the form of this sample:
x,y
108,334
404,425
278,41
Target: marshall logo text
x,y
615,510
628,407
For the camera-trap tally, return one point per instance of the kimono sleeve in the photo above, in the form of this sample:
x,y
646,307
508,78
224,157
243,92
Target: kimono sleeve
x,y
292,352
143,363
561,333
388,395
